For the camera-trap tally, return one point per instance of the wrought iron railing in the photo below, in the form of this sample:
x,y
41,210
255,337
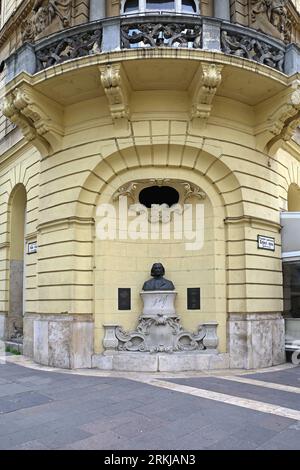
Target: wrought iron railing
x,y
154,31
72,45
251,45
161,32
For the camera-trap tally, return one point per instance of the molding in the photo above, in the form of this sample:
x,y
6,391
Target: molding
x,y
4,245
31,236
246,219
66,221
38,117
203,90
117,91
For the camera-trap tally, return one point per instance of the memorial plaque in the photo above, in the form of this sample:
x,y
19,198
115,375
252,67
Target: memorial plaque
x,y
193,298
124,298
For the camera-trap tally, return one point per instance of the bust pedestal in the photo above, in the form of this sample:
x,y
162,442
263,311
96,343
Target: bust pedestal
x,y
158,303
159,320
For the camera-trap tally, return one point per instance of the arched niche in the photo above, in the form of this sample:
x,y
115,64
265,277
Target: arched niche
x,y
124,262
17,222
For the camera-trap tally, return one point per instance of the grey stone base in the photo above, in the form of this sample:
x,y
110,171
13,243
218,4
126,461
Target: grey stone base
x,y
3,321
256,340
60,341
28,322
160,362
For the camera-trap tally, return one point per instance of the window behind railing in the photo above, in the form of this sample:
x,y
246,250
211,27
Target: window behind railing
x,y
142,6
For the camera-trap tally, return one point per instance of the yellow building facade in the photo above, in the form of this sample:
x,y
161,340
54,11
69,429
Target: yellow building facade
x,y
105,99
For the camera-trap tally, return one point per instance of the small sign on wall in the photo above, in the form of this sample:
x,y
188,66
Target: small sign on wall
x,y
265,243
31,248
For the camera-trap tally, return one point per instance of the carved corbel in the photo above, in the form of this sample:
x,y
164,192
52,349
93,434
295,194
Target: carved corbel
x,y
117,90
202,92
39,119
278,117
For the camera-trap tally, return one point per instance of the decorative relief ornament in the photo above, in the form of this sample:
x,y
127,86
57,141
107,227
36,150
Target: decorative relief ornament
x,y
131,189
191,190
117,91
209,78
271,17
43,14
127,191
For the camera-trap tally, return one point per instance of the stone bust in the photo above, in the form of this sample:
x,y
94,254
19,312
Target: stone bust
x,y
158,282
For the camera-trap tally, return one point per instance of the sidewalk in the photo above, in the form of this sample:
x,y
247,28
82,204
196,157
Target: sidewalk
x,y
44,408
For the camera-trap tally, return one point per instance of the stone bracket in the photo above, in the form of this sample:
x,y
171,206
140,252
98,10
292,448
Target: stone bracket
x,y
202,91
278,117
117,90
39,118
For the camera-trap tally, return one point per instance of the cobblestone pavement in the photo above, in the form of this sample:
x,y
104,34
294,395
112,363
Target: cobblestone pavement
x,y
43,409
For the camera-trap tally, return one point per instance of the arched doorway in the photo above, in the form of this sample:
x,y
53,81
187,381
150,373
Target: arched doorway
x,y
16,263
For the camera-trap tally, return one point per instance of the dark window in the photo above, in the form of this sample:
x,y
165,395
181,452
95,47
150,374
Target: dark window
x,y
131,5
158,195
188,6
160,5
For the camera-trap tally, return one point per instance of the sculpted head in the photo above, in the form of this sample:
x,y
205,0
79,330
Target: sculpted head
x,y
157,270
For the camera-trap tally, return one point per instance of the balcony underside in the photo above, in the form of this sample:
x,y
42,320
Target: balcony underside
x,y
148,70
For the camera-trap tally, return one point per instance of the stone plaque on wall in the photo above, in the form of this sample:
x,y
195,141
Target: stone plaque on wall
x,y
124,298
193,298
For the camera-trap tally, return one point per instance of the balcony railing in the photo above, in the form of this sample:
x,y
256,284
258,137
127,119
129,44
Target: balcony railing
x,y
154,31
